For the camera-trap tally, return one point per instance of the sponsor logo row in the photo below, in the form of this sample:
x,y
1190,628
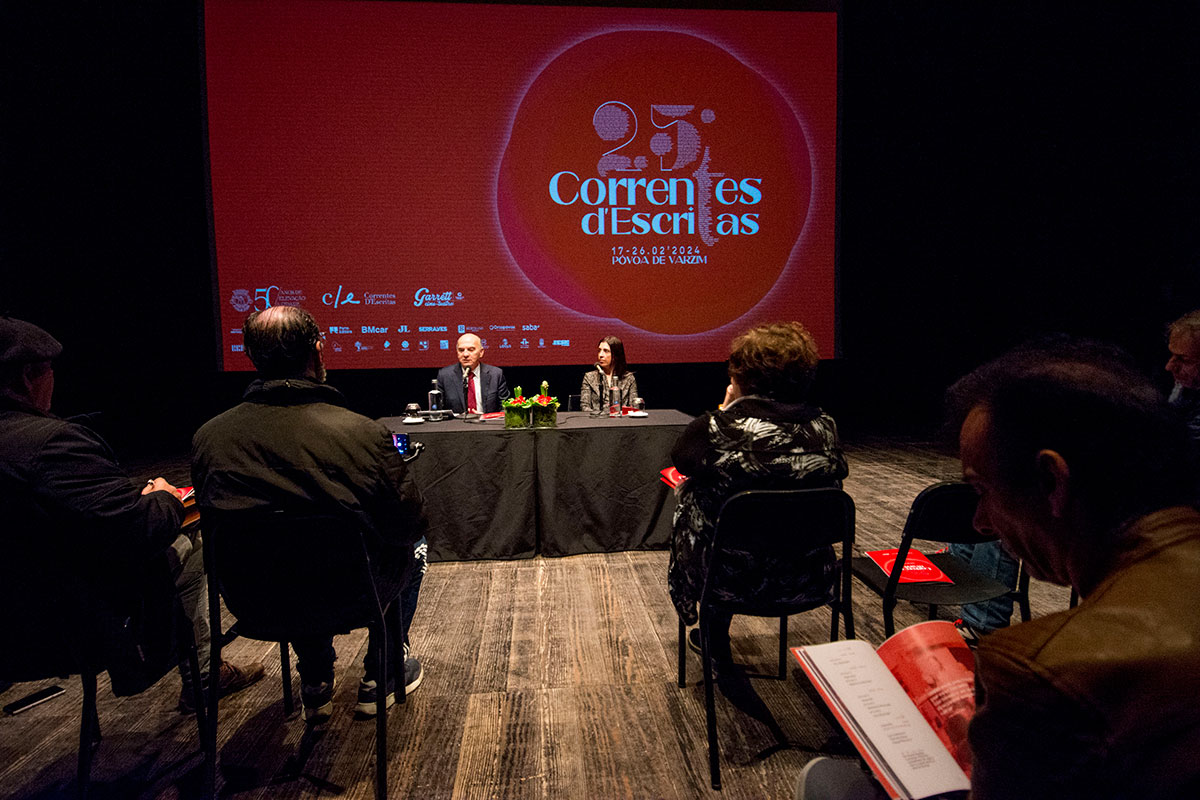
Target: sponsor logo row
x,y
424,345
263,297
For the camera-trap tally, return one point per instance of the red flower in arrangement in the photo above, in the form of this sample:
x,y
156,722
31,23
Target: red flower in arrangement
x,y
543,397
519,401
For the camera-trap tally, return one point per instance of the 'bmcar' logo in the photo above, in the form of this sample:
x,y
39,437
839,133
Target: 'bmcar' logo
x,y
658,160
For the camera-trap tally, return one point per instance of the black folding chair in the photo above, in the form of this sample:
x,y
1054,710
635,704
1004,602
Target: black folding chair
x,y
777,526
287,576
55,628
942,512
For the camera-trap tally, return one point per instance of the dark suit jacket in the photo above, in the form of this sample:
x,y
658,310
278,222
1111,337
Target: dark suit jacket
x,y
491,381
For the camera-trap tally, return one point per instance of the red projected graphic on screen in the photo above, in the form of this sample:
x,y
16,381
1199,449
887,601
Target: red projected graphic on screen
x,y
542,177
667,188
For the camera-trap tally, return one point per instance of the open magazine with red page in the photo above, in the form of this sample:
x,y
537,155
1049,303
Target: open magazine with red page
x,y
905,706
917,566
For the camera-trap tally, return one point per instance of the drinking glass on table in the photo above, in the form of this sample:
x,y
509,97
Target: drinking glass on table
x,y
639,405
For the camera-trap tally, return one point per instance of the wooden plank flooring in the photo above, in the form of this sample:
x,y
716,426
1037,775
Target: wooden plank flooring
x,y
544,678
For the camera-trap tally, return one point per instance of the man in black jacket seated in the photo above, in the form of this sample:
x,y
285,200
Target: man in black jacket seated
x,y
292,443
79,534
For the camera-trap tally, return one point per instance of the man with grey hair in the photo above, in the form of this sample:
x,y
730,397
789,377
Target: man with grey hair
x,y
77,530
470,386
292,443
1183,341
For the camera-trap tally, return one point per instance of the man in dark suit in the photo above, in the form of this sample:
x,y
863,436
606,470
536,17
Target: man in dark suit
x,y
470,386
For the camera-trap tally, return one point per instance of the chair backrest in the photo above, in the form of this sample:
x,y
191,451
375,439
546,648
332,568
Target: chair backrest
x,y
945,512
784,535
287,575
942,512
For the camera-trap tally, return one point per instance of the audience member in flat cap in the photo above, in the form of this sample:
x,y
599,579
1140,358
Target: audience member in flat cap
x,y
76,524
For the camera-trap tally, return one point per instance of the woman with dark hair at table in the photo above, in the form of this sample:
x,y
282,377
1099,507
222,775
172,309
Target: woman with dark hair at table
x,y
764,436
611,370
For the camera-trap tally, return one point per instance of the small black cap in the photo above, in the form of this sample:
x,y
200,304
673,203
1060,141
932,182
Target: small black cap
x,y
25,343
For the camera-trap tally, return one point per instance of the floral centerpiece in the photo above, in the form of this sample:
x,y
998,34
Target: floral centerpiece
x,y
516,410
544,413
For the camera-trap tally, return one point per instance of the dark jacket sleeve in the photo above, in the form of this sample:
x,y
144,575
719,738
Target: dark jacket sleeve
x,y
502,393
452,393
690,454
79,483
396,507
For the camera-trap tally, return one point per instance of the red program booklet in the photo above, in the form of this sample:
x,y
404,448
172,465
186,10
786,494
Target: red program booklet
x,y
917,567
672,477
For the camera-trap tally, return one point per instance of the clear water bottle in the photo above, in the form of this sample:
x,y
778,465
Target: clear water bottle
x,y
435,396
614,401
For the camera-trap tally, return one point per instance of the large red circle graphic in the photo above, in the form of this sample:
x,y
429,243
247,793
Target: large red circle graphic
x,y
653,177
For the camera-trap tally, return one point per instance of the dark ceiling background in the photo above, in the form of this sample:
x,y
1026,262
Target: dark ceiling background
x,y
1007,169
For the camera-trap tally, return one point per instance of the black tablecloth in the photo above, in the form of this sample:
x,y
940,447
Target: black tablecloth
x,y
590,485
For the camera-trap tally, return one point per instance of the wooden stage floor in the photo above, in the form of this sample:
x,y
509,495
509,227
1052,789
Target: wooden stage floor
x,y
544,678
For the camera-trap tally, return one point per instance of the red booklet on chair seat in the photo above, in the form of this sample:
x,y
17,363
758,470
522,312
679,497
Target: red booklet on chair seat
x,y
917,567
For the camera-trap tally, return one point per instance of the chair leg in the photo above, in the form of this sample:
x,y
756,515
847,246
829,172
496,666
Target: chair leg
x,y
186,632
682,654
710,711
381,665
836,605
197,689
889,625
89,733
845,600
285,666
1023,596
398,659
214,679
783,631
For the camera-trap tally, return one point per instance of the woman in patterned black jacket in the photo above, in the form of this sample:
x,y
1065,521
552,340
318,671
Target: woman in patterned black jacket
x,y
765,436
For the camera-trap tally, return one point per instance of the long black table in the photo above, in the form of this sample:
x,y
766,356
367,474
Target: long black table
x,y
590,485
